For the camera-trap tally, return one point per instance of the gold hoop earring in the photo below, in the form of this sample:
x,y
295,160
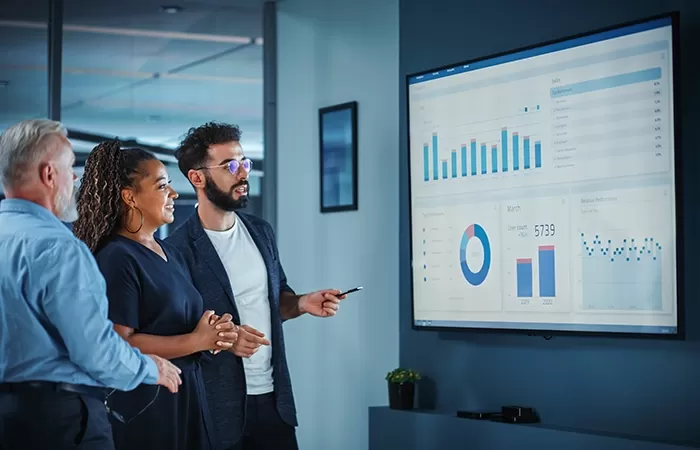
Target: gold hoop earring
x,y
126,227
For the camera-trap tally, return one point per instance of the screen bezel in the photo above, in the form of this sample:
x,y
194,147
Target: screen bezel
x,y
680,266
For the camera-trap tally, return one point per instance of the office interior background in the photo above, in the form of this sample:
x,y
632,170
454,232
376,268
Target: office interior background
x,y
140,71
269,66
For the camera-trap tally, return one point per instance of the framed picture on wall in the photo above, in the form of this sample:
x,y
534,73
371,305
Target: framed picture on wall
x,y
338,155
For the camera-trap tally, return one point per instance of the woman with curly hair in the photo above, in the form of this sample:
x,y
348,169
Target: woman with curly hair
x,y
124,197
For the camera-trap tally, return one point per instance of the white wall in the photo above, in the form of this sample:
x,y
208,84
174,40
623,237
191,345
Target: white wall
x,y
332,51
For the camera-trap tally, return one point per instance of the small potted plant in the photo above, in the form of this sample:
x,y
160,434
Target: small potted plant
x,y
402,388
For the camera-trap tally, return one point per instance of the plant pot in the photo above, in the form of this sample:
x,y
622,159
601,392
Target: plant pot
x,y
401,395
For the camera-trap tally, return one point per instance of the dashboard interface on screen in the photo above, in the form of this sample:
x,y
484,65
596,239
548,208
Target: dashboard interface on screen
x,y
543,187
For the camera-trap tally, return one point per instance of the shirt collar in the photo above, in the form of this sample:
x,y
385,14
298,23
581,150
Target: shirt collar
x,y
26,207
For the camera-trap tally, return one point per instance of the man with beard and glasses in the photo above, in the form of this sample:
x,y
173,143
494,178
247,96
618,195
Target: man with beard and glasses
x,y
235,265
58,350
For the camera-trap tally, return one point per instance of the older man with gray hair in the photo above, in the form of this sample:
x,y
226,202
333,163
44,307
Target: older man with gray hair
x,y
58,351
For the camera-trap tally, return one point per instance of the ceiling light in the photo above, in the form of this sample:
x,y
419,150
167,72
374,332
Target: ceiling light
x,y
170,9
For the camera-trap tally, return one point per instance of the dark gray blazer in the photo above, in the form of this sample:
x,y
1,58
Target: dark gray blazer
x,y
224,377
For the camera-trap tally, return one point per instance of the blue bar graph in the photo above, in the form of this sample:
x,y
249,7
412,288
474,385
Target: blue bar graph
x,y
504,148
435,156
512,146
494,159
473,155
524,277
526,152
426,160
546,270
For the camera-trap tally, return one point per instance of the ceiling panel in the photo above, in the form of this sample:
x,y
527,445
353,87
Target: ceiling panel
x,y
25,10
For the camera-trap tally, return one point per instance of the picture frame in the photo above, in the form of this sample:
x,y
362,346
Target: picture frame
x,y
337,126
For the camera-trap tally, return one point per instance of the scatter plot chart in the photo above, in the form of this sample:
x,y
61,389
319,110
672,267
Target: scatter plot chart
x,y
621,274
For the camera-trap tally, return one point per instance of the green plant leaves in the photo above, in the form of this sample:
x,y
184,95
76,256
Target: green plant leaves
x,y
401,375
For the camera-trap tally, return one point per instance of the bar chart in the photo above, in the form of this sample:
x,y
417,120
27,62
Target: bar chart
x,y
546,274
622,274
524,277
513,152
535,256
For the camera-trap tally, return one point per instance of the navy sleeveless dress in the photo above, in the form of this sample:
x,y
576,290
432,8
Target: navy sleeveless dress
x,y
155,296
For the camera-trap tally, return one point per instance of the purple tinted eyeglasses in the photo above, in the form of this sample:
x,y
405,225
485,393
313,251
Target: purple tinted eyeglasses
x,y
234,165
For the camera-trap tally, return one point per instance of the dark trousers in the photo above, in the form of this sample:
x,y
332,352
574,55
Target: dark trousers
x,y
53,420
264,428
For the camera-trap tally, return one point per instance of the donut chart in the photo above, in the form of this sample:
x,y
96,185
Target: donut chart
x,y
475,231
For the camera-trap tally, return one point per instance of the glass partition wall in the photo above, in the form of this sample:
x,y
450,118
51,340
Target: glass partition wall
x,y
141,72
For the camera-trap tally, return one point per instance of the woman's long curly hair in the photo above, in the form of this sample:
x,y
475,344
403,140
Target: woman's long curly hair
x,y
108,170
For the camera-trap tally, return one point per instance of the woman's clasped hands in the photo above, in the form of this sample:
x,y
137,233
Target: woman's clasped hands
x,y
215,333
248,340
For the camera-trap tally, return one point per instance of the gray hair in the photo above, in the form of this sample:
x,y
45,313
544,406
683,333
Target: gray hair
x,y
23,145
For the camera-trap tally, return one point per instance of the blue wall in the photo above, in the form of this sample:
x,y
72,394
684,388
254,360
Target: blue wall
x,y
329,52
643,387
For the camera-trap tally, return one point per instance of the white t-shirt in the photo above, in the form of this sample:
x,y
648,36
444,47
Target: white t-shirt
x,y
248,276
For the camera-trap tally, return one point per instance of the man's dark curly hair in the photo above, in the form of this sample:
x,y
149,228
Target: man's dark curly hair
x,y
108,170
192,152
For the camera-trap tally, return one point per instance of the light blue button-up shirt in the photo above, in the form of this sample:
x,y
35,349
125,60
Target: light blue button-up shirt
x,y
53,308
